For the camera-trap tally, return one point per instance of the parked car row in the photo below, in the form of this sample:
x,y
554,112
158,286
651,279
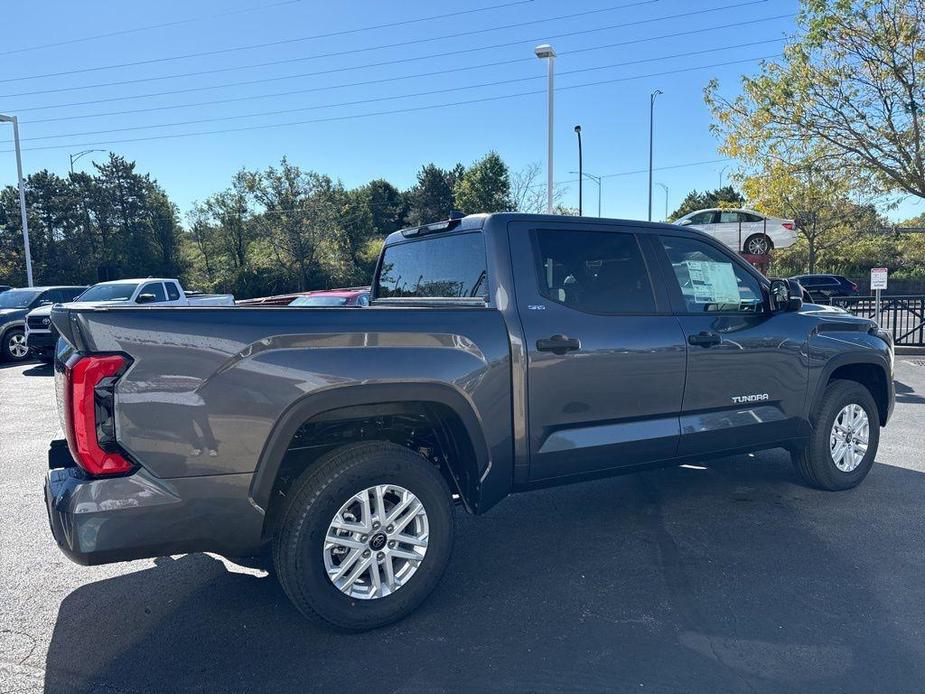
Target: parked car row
x,y
25,323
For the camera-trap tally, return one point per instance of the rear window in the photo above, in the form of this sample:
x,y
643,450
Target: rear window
x,y
450,267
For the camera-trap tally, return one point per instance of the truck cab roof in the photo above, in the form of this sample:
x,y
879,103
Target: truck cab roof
x,y
477,222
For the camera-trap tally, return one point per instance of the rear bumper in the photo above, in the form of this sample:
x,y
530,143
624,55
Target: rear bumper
x,y
104,520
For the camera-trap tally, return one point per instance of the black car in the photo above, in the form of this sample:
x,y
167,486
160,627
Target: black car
x,y
824,287
14,305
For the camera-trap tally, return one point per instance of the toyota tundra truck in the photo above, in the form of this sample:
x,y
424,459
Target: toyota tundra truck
x,y
501,353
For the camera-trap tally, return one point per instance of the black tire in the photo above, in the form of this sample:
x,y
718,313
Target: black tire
x,y
6,350
314,499
754,239
814,463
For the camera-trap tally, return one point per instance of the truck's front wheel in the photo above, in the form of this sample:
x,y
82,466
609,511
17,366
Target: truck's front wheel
x,y
365,537
844,442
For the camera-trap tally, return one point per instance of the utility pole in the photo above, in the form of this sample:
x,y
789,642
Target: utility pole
x,y
597,179
546,52
651,132
75,157
580,176
665,188
22,195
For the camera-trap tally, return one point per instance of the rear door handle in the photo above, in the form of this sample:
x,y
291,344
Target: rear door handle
x,y
558,344
704,339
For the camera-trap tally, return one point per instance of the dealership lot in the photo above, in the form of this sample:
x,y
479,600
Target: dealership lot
x,y
732,577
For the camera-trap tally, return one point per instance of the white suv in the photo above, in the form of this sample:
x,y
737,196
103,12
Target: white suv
x,y
743,230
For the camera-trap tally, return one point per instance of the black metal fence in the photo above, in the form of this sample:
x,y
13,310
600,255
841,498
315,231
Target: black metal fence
x,y
904,316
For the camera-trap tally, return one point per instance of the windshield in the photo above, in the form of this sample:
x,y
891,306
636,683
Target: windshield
x,y
109,292
320,301
17,298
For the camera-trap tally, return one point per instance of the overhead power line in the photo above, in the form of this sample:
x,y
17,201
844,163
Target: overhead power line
x,y
409,109
391,45
282,42
148,27
382,80
393,97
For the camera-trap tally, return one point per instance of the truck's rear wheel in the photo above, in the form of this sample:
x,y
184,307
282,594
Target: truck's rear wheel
x,y
845,437
365,537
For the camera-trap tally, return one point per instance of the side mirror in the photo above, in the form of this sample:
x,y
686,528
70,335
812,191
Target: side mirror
x,y
145,299
786,295
45,302
684,222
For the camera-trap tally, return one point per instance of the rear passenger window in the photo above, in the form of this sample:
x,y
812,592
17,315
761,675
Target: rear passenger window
x,y
172,292
728,217
709,280
593,271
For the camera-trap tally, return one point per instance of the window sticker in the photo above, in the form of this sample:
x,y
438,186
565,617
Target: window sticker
x,y
713,283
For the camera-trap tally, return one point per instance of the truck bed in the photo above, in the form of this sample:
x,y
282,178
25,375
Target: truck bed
x,y
208,386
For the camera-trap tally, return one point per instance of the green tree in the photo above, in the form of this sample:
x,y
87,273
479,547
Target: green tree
x,y
727,196
431,199
849,89
484,187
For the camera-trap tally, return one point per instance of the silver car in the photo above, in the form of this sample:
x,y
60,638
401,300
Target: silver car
x,y
743,230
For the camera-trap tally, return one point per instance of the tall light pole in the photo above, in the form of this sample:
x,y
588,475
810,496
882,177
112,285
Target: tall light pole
x,y
721,172
665,188
651,128
546,52
22,195
580,169
75,157
597,179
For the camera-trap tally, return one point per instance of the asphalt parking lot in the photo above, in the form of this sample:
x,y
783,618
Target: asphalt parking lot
x,y
733,577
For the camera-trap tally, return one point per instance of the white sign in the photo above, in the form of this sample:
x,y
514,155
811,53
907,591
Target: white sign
x,y
878,277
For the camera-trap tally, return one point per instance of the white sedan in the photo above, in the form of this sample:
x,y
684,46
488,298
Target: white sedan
x,y
743,230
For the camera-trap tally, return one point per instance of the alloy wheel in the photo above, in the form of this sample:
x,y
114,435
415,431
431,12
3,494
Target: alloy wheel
x,y
376,542
17,346
758,246
849,437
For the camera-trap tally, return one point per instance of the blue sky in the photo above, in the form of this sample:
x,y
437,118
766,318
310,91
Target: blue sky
x,y
320,55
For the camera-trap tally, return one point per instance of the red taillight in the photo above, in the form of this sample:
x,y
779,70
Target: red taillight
x,y
788,226
89,413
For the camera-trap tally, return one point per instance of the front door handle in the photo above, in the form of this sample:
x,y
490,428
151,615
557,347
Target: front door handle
x,y
704,339
558,344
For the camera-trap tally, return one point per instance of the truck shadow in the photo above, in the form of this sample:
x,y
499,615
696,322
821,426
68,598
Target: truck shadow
x,y
723,577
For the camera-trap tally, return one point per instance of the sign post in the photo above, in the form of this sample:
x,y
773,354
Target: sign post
x,y
878,277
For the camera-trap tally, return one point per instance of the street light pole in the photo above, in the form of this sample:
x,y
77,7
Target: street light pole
x,y
665,188
546,52
75,157
721,172
597,179
580,169
651,129
22,196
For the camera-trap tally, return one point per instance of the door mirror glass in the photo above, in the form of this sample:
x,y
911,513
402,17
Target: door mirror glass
x,y
145,299
786,295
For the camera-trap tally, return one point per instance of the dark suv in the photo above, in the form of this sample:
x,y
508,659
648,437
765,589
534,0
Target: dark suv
x,y
824,287
14,305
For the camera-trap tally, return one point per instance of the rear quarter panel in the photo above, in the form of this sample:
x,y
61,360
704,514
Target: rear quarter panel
x,y
207,385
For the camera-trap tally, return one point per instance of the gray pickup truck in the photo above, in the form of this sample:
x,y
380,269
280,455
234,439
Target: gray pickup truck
x,y
501,353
